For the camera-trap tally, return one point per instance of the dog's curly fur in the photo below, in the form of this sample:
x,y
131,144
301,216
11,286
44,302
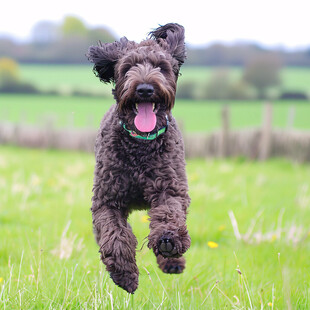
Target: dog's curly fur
x,y
132,173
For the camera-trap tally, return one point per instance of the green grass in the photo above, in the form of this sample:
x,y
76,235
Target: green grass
x,y
66,78
296,79
196,115
48,191
292,78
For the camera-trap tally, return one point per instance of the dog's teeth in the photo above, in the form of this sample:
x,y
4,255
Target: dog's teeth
x,y
137,107
153,106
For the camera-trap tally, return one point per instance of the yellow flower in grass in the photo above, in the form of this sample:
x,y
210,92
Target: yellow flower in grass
x,y
212,245
144,218
1,279
270,304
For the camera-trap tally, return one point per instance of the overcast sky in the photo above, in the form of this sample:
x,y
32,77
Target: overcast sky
x,y
270,22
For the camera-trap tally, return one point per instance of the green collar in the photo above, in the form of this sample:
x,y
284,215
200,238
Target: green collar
x,y
149,136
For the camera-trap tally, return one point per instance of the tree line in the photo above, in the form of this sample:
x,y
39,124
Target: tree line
x,y
53,43
68,42
240,54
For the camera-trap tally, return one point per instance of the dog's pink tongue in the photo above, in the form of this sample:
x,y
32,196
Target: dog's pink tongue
x,y
145,121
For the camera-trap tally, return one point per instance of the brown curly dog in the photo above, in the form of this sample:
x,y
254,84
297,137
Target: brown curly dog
x,y
140,154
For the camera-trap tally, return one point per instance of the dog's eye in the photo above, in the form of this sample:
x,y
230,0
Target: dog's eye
x,y
125,68
164,67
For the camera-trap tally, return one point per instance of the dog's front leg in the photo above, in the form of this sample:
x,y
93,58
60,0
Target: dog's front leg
x,y
168,232
117,246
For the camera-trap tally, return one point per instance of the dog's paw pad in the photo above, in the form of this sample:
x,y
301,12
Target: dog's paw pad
x,y
173,268
166,247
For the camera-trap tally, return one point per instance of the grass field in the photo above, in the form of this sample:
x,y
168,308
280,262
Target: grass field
x,y
49,260
71,77
196,115
64,78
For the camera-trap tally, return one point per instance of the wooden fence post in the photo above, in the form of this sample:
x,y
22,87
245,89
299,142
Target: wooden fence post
x,y
50,123
266,136
224,138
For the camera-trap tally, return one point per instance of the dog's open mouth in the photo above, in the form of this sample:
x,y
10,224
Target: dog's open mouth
x,y
145,120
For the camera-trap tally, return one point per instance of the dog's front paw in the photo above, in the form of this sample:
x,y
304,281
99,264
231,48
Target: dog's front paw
x,y
166,246
125,274
169,243
172,265
173,243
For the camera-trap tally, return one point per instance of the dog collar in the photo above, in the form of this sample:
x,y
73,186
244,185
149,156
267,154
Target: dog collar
x,y
149,136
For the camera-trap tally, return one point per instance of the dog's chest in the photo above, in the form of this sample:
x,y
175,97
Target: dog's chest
x,y
138,172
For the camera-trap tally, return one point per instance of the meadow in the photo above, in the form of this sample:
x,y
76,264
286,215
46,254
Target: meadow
x,y
87,111
73,77
248,220
49,259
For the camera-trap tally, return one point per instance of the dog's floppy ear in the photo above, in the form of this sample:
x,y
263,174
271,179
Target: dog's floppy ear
x,y
105,56
171,37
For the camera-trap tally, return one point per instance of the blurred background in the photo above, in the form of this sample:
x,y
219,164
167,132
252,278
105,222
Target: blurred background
x,y
238,55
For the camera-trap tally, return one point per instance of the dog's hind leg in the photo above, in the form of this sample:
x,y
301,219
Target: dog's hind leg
x,y
117,246
171,265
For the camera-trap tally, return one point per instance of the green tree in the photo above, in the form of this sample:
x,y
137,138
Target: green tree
x,y
9,78
262,72
73,26
239,90
102,34
217,87
9,72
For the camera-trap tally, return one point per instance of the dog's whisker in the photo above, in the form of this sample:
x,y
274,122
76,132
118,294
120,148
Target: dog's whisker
x,y
143,244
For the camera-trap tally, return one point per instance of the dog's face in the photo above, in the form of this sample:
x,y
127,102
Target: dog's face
x,y
144,74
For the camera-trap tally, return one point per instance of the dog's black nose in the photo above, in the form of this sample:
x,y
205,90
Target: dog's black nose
x,y
145,90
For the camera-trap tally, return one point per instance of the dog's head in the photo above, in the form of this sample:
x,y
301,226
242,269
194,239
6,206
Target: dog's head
x,y
144,74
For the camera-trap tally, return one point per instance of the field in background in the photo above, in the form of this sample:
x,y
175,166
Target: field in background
x,y
48,257
64,78
87,111
67,78
197,116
